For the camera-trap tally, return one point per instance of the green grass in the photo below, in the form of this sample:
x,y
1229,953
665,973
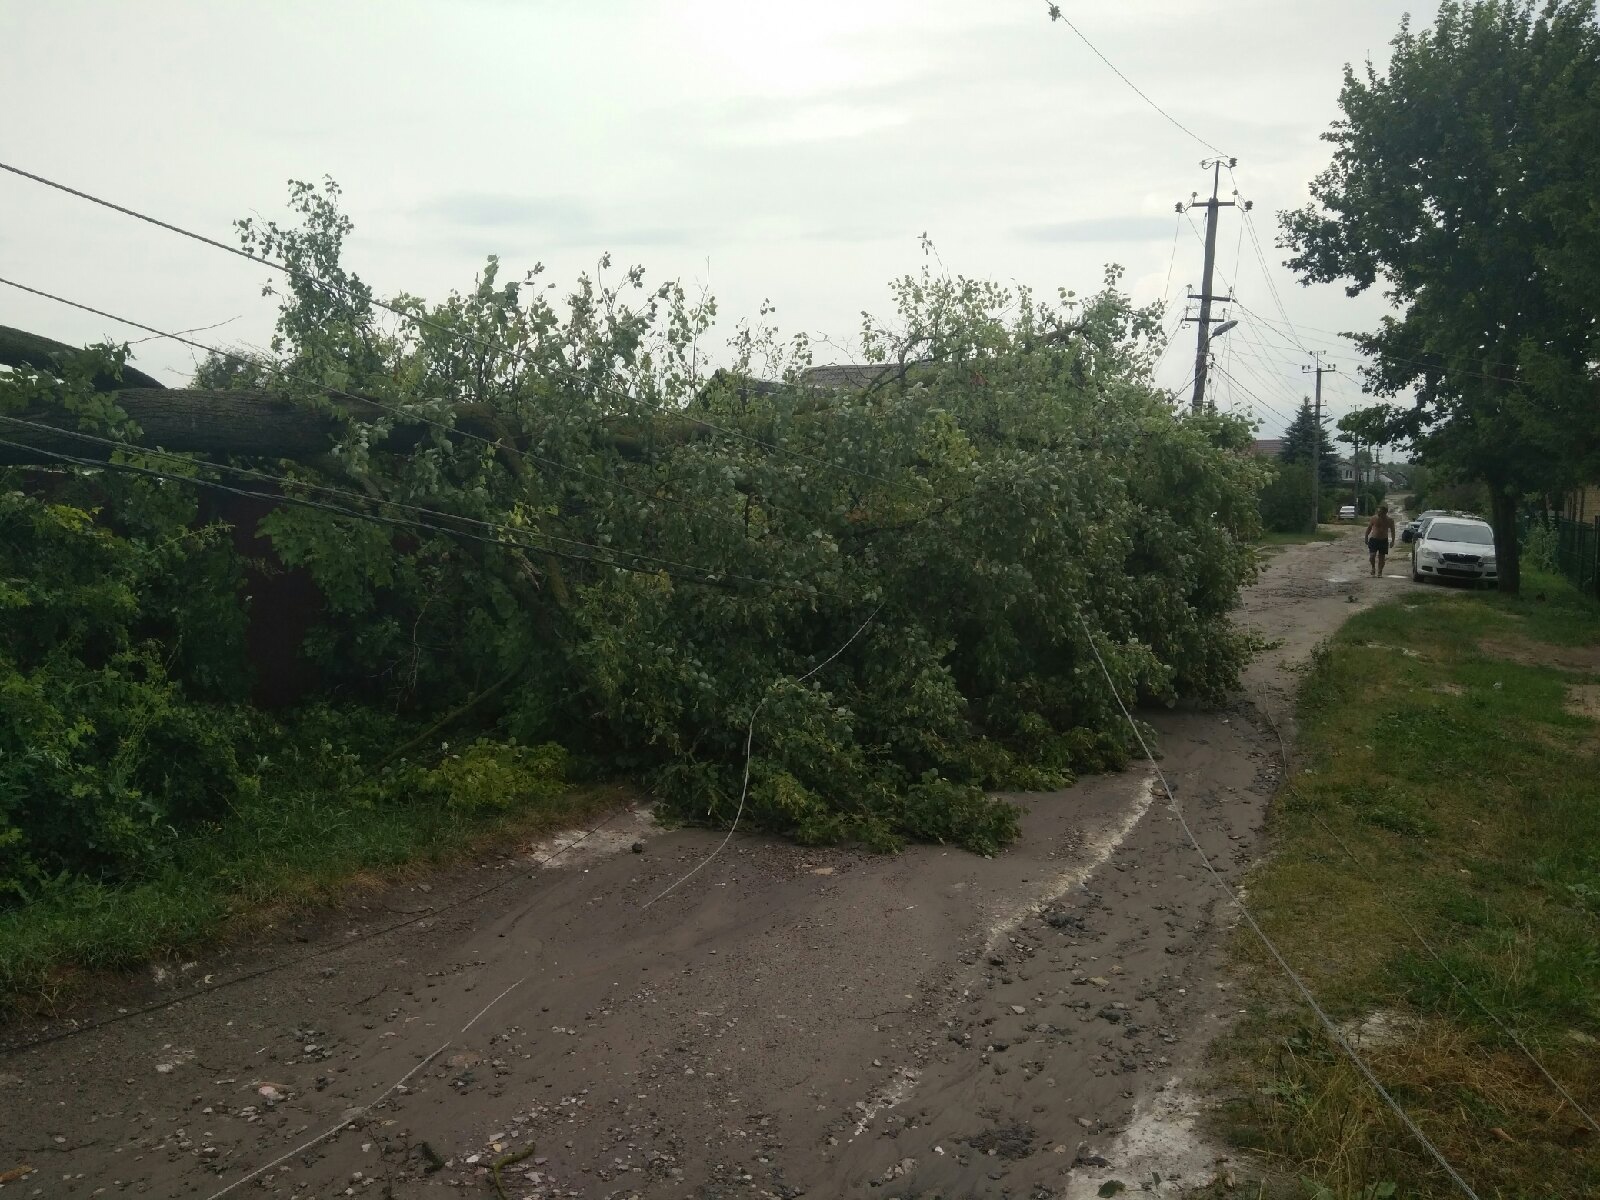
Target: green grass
x,y
1469,800
1298,539
285,857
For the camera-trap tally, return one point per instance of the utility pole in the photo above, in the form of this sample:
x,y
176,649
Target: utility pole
x,y
1316,438
1202,357
1355,471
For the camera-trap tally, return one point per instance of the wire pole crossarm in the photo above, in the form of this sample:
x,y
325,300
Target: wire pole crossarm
x,y
1206,296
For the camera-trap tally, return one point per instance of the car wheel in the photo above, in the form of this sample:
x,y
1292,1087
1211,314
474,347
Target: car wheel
x,y
1416,575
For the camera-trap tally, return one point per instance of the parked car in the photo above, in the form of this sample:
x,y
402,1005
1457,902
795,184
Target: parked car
x,y
1347,513
1413,528
1452,547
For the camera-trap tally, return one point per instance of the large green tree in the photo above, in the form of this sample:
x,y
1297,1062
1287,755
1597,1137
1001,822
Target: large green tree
x,y
1463,184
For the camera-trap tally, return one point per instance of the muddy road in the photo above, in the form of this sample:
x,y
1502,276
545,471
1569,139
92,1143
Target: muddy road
x,y
789,1022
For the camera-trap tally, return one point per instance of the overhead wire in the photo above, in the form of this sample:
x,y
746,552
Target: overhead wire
x,y
421,320
749,742
393,410
688,572
1057,15
1223,371
664,567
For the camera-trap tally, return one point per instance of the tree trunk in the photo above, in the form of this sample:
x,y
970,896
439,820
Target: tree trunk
x,y
18,348
187,420
1507,548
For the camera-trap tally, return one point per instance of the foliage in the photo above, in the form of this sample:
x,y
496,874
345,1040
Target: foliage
x,y
657,558
1462,180
122,649
1304,441
495,776
1452,497
1286,500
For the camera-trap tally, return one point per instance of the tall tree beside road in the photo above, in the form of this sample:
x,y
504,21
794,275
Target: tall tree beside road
x,y
1301,445
1463,183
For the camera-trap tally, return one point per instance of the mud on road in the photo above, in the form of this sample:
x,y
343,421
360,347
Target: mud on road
x,y
790,1022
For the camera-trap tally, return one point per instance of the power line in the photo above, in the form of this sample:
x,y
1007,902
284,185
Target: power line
x,y
290,377
1257,399
703,577
181,332
1057,15
1266,273
1172,258
1245,361
207,988
418,319
1300,986
395,411
749,742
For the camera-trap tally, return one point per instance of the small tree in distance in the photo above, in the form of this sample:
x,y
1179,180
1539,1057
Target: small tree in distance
x,y
1301,444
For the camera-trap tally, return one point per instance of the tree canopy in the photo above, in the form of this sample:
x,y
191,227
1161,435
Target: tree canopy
x,y
538,522
1304,441
1463,183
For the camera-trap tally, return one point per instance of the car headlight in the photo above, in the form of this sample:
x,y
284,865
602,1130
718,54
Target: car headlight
x,y
1428,555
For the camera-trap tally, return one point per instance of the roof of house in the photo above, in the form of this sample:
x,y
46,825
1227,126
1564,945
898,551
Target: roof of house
x,y
846,375
1269,447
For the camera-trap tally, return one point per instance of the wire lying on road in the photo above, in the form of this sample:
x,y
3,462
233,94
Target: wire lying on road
x,y
749,739
325,951
1455,980
1272,948
357,1113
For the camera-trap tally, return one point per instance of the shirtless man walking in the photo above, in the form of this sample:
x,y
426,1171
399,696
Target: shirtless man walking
x,y
1380,537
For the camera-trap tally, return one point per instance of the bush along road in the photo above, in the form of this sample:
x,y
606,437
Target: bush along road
x,y
788,1021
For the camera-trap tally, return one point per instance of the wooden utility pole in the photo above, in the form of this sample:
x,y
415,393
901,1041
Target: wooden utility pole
x,y
1316,438
1202,357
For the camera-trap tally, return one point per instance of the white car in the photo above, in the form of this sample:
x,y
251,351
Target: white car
x,y
1455,548
1347,513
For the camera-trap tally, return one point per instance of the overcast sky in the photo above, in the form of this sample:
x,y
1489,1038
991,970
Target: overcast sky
x,y
791,152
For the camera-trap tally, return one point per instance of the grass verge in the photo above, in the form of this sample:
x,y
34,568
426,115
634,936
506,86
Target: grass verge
x,y
1448,775
267,863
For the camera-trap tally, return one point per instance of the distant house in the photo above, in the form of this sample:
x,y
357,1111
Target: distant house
x,y
846,376
1269,447
1347,472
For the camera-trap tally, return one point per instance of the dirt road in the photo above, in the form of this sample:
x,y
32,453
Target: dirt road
x,y
789,1022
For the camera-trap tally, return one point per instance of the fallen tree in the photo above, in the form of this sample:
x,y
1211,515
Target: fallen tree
x,y
1015,500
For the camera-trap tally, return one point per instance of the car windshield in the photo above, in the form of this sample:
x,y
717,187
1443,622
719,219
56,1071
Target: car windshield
x,y
1460,531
